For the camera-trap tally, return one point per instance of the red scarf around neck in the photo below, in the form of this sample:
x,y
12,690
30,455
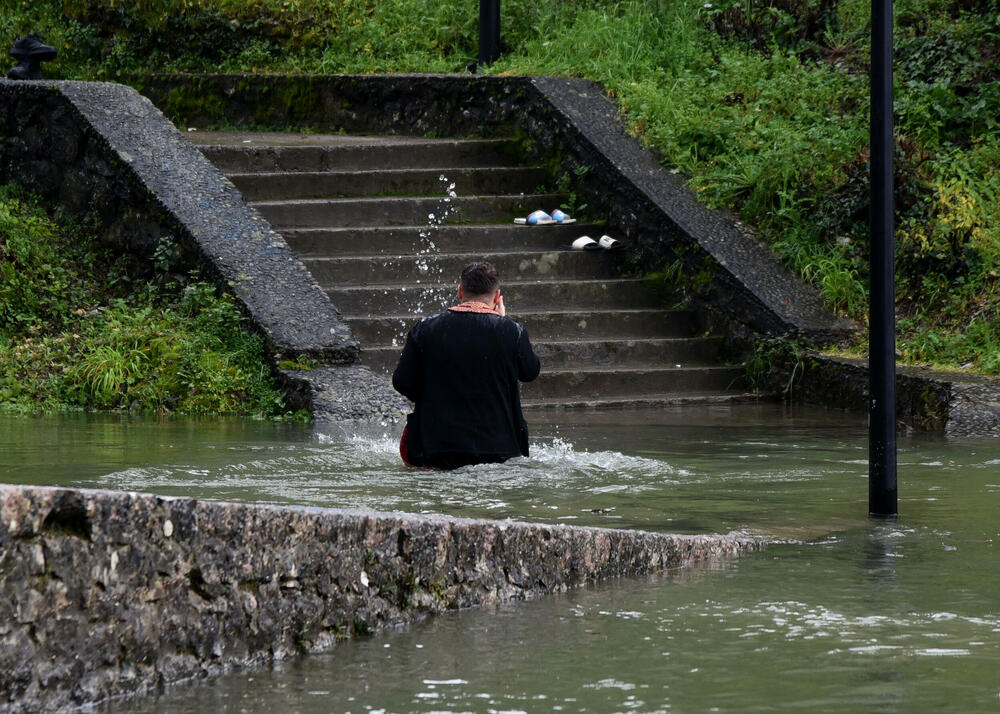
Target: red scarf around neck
x,y
473,307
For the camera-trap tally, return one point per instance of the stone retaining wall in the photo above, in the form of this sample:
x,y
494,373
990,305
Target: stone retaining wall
x,y
105,594
104,150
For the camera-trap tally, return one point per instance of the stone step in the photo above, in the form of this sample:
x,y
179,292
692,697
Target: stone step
x,y
604,383
671,351
391,330
349,153
400,211
401,182
444,268
579,354
395,240
646,400
521,296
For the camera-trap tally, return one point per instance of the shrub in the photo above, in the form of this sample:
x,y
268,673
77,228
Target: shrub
x,y
77,330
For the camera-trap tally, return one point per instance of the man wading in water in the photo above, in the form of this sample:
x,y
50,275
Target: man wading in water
x,y
461,368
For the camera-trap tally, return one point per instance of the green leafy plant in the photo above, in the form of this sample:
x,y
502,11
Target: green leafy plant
x,y
567,184
74,334
776,363
776,23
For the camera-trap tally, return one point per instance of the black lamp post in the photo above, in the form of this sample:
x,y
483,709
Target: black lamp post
x,y
882,494
489,31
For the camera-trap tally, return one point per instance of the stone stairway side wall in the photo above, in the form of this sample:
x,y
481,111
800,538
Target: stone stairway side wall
x,y
570,119
729,270
107,593
103,149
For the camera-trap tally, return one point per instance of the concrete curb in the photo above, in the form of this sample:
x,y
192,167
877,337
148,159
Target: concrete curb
x,y
657,212
105,594
103,149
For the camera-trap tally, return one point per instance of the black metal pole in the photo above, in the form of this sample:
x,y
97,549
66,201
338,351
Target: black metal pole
x,y
882,496
489,31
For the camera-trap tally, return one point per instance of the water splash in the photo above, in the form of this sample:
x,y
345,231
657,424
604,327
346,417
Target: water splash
x,y
435,287
363,470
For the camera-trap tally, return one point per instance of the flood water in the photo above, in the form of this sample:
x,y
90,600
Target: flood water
x,y
846,614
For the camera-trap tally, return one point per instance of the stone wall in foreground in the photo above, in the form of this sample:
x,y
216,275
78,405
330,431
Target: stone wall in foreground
x,y
105,594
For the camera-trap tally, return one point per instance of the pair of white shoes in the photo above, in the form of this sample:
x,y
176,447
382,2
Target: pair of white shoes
x,y
605,242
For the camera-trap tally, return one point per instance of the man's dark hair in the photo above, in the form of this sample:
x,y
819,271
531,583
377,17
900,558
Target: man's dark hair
x,y
479,278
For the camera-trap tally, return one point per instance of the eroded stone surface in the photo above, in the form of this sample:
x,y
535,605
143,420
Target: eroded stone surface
x,y
344,393
974,410
105,593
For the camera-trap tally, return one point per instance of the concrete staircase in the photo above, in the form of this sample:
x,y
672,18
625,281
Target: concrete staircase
x,y
385,225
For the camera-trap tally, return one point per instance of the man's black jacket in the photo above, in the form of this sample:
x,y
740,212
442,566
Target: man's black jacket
x,y
461,369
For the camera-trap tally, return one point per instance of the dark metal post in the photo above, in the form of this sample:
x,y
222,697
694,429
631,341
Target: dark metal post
x,y
489,31
882,495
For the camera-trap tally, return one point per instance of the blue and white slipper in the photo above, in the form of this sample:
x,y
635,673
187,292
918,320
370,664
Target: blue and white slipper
x,y
559,217
535,218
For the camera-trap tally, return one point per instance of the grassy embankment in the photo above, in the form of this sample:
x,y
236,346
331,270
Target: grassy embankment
x,y
81,328
764,106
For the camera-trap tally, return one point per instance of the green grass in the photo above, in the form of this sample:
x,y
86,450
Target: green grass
x,y
83,329
764,106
